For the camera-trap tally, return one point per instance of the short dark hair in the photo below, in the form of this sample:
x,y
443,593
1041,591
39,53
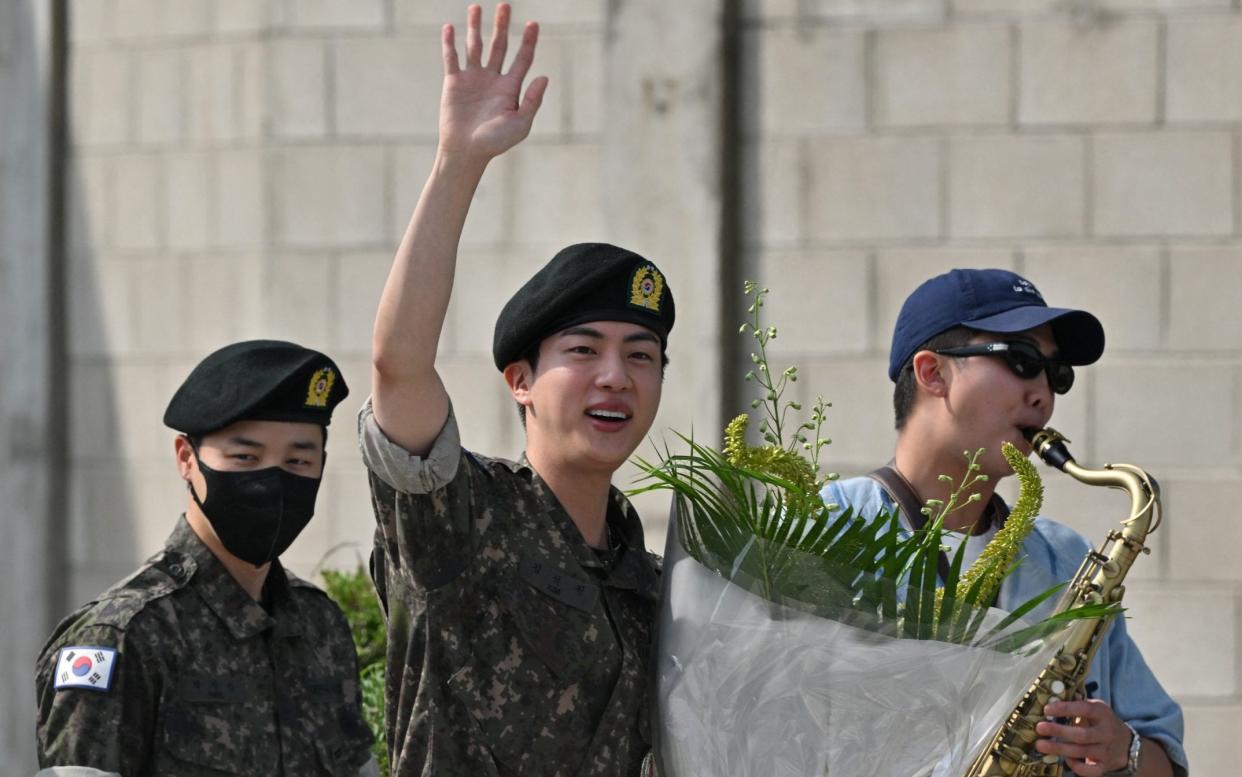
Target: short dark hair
x,y
531,357
903,391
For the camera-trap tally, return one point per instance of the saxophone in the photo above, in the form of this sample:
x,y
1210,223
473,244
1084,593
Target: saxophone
x,y
1011,751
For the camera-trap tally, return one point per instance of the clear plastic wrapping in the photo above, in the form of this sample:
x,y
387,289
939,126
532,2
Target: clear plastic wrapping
x,y
747,687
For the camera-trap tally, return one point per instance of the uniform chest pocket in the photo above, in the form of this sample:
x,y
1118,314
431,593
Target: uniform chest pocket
x,y
341,735
336,756
219,724
538,665
558,614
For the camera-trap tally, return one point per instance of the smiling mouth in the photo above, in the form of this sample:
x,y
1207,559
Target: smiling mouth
x,y
608,415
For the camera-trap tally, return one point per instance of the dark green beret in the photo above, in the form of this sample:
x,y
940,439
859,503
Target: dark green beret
x,y
257,380
584,282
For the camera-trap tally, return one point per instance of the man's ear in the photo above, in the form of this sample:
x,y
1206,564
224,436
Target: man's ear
x,y
930,373
518,377
184,454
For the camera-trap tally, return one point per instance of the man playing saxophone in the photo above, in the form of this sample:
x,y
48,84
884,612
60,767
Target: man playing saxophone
x,y
977,356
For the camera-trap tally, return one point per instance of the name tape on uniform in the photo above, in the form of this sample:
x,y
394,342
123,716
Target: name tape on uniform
x,y
85,667
565,588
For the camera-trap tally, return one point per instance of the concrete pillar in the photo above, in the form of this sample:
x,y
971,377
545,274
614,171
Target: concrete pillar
x,y
663,191
28,591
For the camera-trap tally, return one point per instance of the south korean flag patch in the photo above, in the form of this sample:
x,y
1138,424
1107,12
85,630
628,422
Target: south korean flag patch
x,y
85,667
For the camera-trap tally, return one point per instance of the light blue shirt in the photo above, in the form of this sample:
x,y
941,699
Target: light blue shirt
x,y
1052,554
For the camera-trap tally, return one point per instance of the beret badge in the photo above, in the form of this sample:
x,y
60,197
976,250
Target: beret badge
x,y
647,288
320,387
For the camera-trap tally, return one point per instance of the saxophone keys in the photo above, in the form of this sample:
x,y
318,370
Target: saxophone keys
x,y
1116,594
1057,687
1014,755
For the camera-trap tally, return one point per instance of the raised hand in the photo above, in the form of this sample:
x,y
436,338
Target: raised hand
x,y
480,112
483,113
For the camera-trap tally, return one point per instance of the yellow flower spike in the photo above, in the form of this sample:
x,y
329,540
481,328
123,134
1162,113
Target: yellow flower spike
x,y
1002,549
773,460
735,439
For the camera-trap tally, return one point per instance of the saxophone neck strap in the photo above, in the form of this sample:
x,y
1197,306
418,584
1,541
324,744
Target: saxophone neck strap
x,y
907,500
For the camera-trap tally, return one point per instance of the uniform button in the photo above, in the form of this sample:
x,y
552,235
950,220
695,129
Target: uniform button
x,y
175,569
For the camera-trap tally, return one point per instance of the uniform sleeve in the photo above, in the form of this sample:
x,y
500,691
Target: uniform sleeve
x,y
107,730
401,469
353,721
424,507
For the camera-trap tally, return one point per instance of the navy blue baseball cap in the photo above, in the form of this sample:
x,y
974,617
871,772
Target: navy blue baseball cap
x,y
991,301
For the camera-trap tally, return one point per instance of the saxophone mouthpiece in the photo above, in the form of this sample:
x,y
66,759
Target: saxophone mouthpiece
x,y
1049,445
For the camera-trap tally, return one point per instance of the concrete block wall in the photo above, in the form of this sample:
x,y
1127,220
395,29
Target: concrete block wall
x,y
1093,147
245,169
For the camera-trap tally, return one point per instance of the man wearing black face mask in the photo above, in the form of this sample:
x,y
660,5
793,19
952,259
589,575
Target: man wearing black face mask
x,y
212,659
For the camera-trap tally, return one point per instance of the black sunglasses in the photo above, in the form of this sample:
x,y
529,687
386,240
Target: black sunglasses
x,y
1023,359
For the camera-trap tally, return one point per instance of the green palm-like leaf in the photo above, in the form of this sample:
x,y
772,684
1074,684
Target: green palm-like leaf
x,y
766,534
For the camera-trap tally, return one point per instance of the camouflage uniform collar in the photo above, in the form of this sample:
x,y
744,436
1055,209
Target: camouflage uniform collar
x,y
278,594
243,616
635,569
625,518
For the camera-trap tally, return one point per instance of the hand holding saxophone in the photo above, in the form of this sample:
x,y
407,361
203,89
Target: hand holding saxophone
x,y
1095,742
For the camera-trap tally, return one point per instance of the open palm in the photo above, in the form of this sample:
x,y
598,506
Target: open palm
x,y
480,111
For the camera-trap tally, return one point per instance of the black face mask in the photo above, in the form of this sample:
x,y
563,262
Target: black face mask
x,y
257,514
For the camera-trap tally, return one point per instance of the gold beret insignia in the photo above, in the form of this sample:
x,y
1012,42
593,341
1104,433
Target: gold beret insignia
x,y
320,387
647,288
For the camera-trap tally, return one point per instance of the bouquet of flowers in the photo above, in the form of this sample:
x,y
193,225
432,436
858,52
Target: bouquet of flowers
x,y
798,639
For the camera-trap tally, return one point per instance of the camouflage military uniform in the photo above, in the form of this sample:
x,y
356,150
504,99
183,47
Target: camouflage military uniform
x,y
513,648
206,680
